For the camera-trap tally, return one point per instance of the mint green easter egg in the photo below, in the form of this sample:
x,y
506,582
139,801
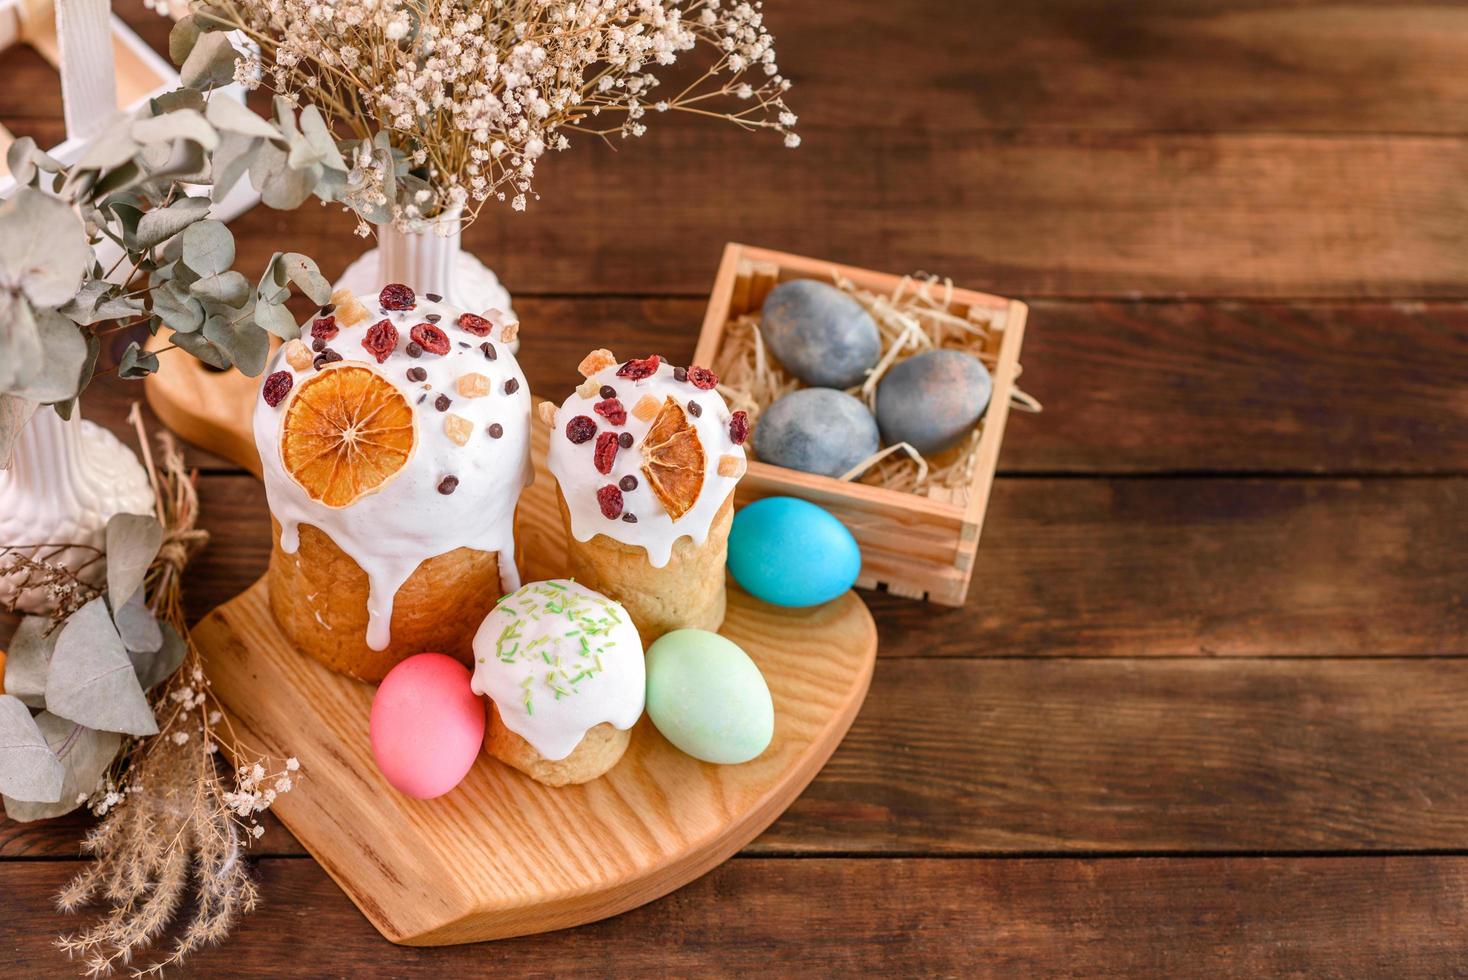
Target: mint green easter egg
x,y
708,698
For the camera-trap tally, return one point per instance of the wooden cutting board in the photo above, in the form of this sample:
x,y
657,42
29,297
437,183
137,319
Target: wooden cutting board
x,y
502,855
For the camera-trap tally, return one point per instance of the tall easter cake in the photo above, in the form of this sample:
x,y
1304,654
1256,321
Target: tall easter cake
x,y
394,439
646,457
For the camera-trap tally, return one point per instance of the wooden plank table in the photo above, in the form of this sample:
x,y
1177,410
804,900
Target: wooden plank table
x,y
1204,711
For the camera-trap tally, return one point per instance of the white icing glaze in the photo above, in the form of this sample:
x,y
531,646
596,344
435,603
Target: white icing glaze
x,y
558,659
574,469
389,532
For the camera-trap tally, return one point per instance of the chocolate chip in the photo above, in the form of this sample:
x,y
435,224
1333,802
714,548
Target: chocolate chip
x,y
628,483
318,345
327,310
694,409
625,440
511,386
421,397
489,351
433,297
496,430
433,317
680,374
324,358
464,344
448,485
629,517
414,349
442,403
607,391
417,374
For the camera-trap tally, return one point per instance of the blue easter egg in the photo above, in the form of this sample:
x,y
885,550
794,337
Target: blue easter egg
x,y
790,552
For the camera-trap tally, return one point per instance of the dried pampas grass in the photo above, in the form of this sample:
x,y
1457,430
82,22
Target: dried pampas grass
x,y
915,317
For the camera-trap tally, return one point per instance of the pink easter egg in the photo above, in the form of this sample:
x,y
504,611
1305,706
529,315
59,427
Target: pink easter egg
x,y
426,725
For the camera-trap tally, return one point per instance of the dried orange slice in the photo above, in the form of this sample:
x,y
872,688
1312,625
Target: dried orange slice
x,y
346,432
673,460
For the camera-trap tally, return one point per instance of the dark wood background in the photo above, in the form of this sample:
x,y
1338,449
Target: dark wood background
x,y
1204,712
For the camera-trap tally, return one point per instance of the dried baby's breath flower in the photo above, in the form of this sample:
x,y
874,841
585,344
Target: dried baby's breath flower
x,y
472,94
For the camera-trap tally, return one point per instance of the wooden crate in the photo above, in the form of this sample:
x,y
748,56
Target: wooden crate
x,y
914,546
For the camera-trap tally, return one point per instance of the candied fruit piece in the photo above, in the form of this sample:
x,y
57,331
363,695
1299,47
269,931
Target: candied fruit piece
x,y
646,408
731,466
606,452
580,429
430,338
639,368
457,428
598,360
277,386
381,339
587,388
547,412
349,311
297,355
609,498
509,331
612,411
396,296
473,385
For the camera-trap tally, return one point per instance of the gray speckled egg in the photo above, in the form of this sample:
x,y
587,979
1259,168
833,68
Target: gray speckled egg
x,y
820,334
931,401
817,430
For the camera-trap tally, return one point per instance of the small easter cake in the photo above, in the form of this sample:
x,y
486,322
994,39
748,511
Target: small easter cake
x,y
646,457
394,441
563,668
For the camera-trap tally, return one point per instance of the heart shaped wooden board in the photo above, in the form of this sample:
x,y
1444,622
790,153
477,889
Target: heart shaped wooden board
x,y
502,855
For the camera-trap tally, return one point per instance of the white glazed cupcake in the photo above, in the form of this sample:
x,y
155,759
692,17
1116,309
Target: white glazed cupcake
x,y
394,441
563,668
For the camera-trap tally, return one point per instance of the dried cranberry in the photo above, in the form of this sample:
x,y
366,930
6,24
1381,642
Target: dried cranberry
x,y
606,452
739,427
448,485
277,386
381,340
637,369
610,499
430,338
477,325
512,385
607,391
580,429
396,296
695,409
628,483
625,440
612,411
324,328
703,378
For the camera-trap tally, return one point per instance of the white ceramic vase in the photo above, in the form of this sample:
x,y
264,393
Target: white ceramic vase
x,y
66,479
428,261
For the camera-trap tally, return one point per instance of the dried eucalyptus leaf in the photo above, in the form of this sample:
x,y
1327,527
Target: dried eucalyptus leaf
x,y
307,276
159,225
20,342
176,308
136,625
278,320
280,185
119,307
182,38
156,667
230,288
136,363
15,413
232,160
28,660
85,755
20,161
210,62
57,375
181,124
247,345
111,148
232,116
208,248
133,541
202,348
179,98
318,137
43,247
91,680
29,770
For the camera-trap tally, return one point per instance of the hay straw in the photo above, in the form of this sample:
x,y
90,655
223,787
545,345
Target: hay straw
x,y
915,317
